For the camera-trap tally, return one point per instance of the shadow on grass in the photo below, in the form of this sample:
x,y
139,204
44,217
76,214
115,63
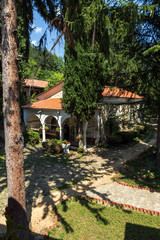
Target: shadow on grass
x,y
3,180
142,171
95,211
139,232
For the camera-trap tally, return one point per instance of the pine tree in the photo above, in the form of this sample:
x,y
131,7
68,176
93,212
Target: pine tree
x,y
134,53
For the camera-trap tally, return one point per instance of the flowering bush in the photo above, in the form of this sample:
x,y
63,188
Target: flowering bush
x,y
65,142
57,129
79,137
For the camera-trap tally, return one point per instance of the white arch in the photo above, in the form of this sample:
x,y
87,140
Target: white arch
x,y
67,117
33,121
33,114
49,115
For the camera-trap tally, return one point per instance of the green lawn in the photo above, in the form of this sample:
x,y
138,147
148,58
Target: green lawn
x,y
2,162
142,171
84,220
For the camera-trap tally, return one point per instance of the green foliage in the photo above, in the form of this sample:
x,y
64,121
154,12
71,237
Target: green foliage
x,y
80,150
54,140
83,85
53,146
54,78
89,220
39,66
32,137
126,137
142,171
85,64
154,49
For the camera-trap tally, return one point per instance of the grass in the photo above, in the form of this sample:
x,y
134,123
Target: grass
x,y
90,221
58,158
142,172
2,162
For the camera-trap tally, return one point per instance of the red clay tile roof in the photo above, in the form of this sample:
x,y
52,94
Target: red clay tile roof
x,y
55,103
52,91
119,92
36,83
108,92
52,103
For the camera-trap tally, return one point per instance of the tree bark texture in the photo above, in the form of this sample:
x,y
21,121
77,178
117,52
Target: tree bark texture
x,y
158,140
12,118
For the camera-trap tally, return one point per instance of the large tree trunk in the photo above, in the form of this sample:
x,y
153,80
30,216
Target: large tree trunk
x,y
158,140
12,118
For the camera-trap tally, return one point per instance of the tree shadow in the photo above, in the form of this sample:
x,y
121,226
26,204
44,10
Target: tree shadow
x,y
53,178
139,232
47,174
32,236
114,157
95,211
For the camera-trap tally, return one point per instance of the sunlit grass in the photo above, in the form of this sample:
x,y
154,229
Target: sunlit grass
x,y
90,221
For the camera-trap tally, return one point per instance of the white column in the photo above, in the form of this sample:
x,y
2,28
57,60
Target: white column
x,y
85,124
98,132
60,127
43,132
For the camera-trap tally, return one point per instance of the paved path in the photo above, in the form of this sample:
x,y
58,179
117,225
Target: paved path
x,y
126,195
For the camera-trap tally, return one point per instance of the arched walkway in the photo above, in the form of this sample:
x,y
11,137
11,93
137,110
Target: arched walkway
x,y
69,128
52,126
33,122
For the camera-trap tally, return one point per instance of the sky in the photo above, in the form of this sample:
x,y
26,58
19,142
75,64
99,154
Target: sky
x,y
39,29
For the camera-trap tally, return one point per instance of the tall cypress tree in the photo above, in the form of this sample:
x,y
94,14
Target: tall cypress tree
x,y
85,61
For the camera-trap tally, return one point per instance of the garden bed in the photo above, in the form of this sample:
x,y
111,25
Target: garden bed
x,y
83,219
142,172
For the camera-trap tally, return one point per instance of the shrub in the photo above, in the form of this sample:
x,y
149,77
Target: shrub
x,y
32,137
53,146
55,140
136,140
141,128
115,140
46,145
128,136
56,148
80,150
